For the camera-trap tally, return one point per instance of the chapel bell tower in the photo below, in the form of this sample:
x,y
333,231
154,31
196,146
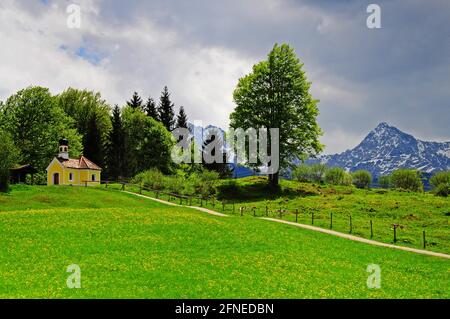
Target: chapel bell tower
x,y
63,149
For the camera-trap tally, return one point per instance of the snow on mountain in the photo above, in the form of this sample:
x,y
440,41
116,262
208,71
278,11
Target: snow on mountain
x,y
386,149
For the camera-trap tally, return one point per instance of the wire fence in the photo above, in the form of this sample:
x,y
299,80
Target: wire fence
x,y
304,215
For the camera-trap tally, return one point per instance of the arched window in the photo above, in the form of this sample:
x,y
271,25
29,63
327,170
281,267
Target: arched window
x,y
93,177
70,176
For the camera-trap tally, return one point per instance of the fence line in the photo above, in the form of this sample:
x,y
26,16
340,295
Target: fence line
x,y
280,212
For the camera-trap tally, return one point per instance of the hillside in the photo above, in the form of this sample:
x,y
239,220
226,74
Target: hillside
x,y
386,149
133,247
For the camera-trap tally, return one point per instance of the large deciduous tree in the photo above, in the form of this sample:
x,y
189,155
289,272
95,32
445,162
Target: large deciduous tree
x,y
165,110
148,143
92,120
276,94
9,155
36,123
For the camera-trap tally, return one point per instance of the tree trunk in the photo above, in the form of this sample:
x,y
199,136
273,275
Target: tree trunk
x,y
273,180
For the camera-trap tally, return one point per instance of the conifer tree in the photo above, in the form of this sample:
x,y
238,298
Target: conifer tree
x,y
150,109
135,102
116,146
222,168
93,142
165,110
182,118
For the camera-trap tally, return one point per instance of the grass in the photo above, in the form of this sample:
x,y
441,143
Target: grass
x,y
414,212
129,247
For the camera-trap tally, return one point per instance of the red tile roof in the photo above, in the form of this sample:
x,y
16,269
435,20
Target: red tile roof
x,y
79,163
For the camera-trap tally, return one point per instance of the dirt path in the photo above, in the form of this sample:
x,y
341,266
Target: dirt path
x,y
202,209
309,227
355,238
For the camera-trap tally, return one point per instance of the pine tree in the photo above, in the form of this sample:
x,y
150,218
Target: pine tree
x,y
182,118
223,169
165,110
150,109
116,146
93,142
135,102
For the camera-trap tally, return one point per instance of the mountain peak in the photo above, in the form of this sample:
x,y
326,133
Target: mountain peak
x,y
386,148
383,125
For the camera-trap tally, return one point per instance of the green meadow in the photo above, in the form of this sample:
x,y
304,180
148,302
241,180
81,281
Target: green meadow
x,y
131,247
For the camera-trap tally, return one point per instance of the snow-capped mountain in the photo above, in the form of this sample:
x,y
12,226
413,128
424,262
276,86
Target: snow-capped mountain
x,y
201,133
386,149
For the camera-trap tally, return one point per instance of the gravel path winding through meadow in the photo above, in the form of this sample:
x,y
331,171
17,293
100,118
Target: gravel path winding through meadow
x,y
309,227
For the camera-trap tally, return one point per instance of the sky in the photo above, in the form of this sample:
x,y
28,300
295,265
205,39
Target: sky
x,y
398,74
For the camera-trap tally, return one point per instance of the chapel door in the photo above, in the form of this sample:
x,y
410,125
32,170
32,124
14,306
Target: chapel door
x,y
56,179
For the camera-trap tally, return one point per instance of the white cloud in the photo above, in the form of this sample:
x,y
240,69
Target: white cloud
x,y
200,49
133,56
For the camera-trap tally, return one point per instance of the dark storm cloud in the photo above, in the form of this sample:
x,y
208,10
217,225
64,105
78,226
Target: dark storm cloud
x,y
399,73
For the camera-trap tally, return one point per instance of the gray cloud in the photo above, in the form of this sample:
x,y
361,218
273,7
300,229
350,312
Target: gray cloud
x,y
399,74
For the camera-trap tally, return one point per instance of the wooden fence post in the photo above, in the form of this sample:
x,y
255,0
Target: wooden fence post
x,y
267,211
312,218
331,220
424,240
181,200
106,185
223,207
351,224
296,215
201,202
371,229
394,226
395,234
254,212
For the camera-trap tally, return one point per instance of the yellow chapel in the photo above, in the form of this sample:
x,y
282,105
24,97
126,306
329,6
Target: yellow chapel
x,y
63,170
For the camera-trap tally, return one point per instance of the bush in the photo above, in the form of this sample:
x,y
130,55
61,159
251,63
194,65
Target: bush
x,y
407,179
362,179
152,178
302,173
384,181
440,178
200,183
310,173
317,172
338,176
38,179
207,181
442,190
